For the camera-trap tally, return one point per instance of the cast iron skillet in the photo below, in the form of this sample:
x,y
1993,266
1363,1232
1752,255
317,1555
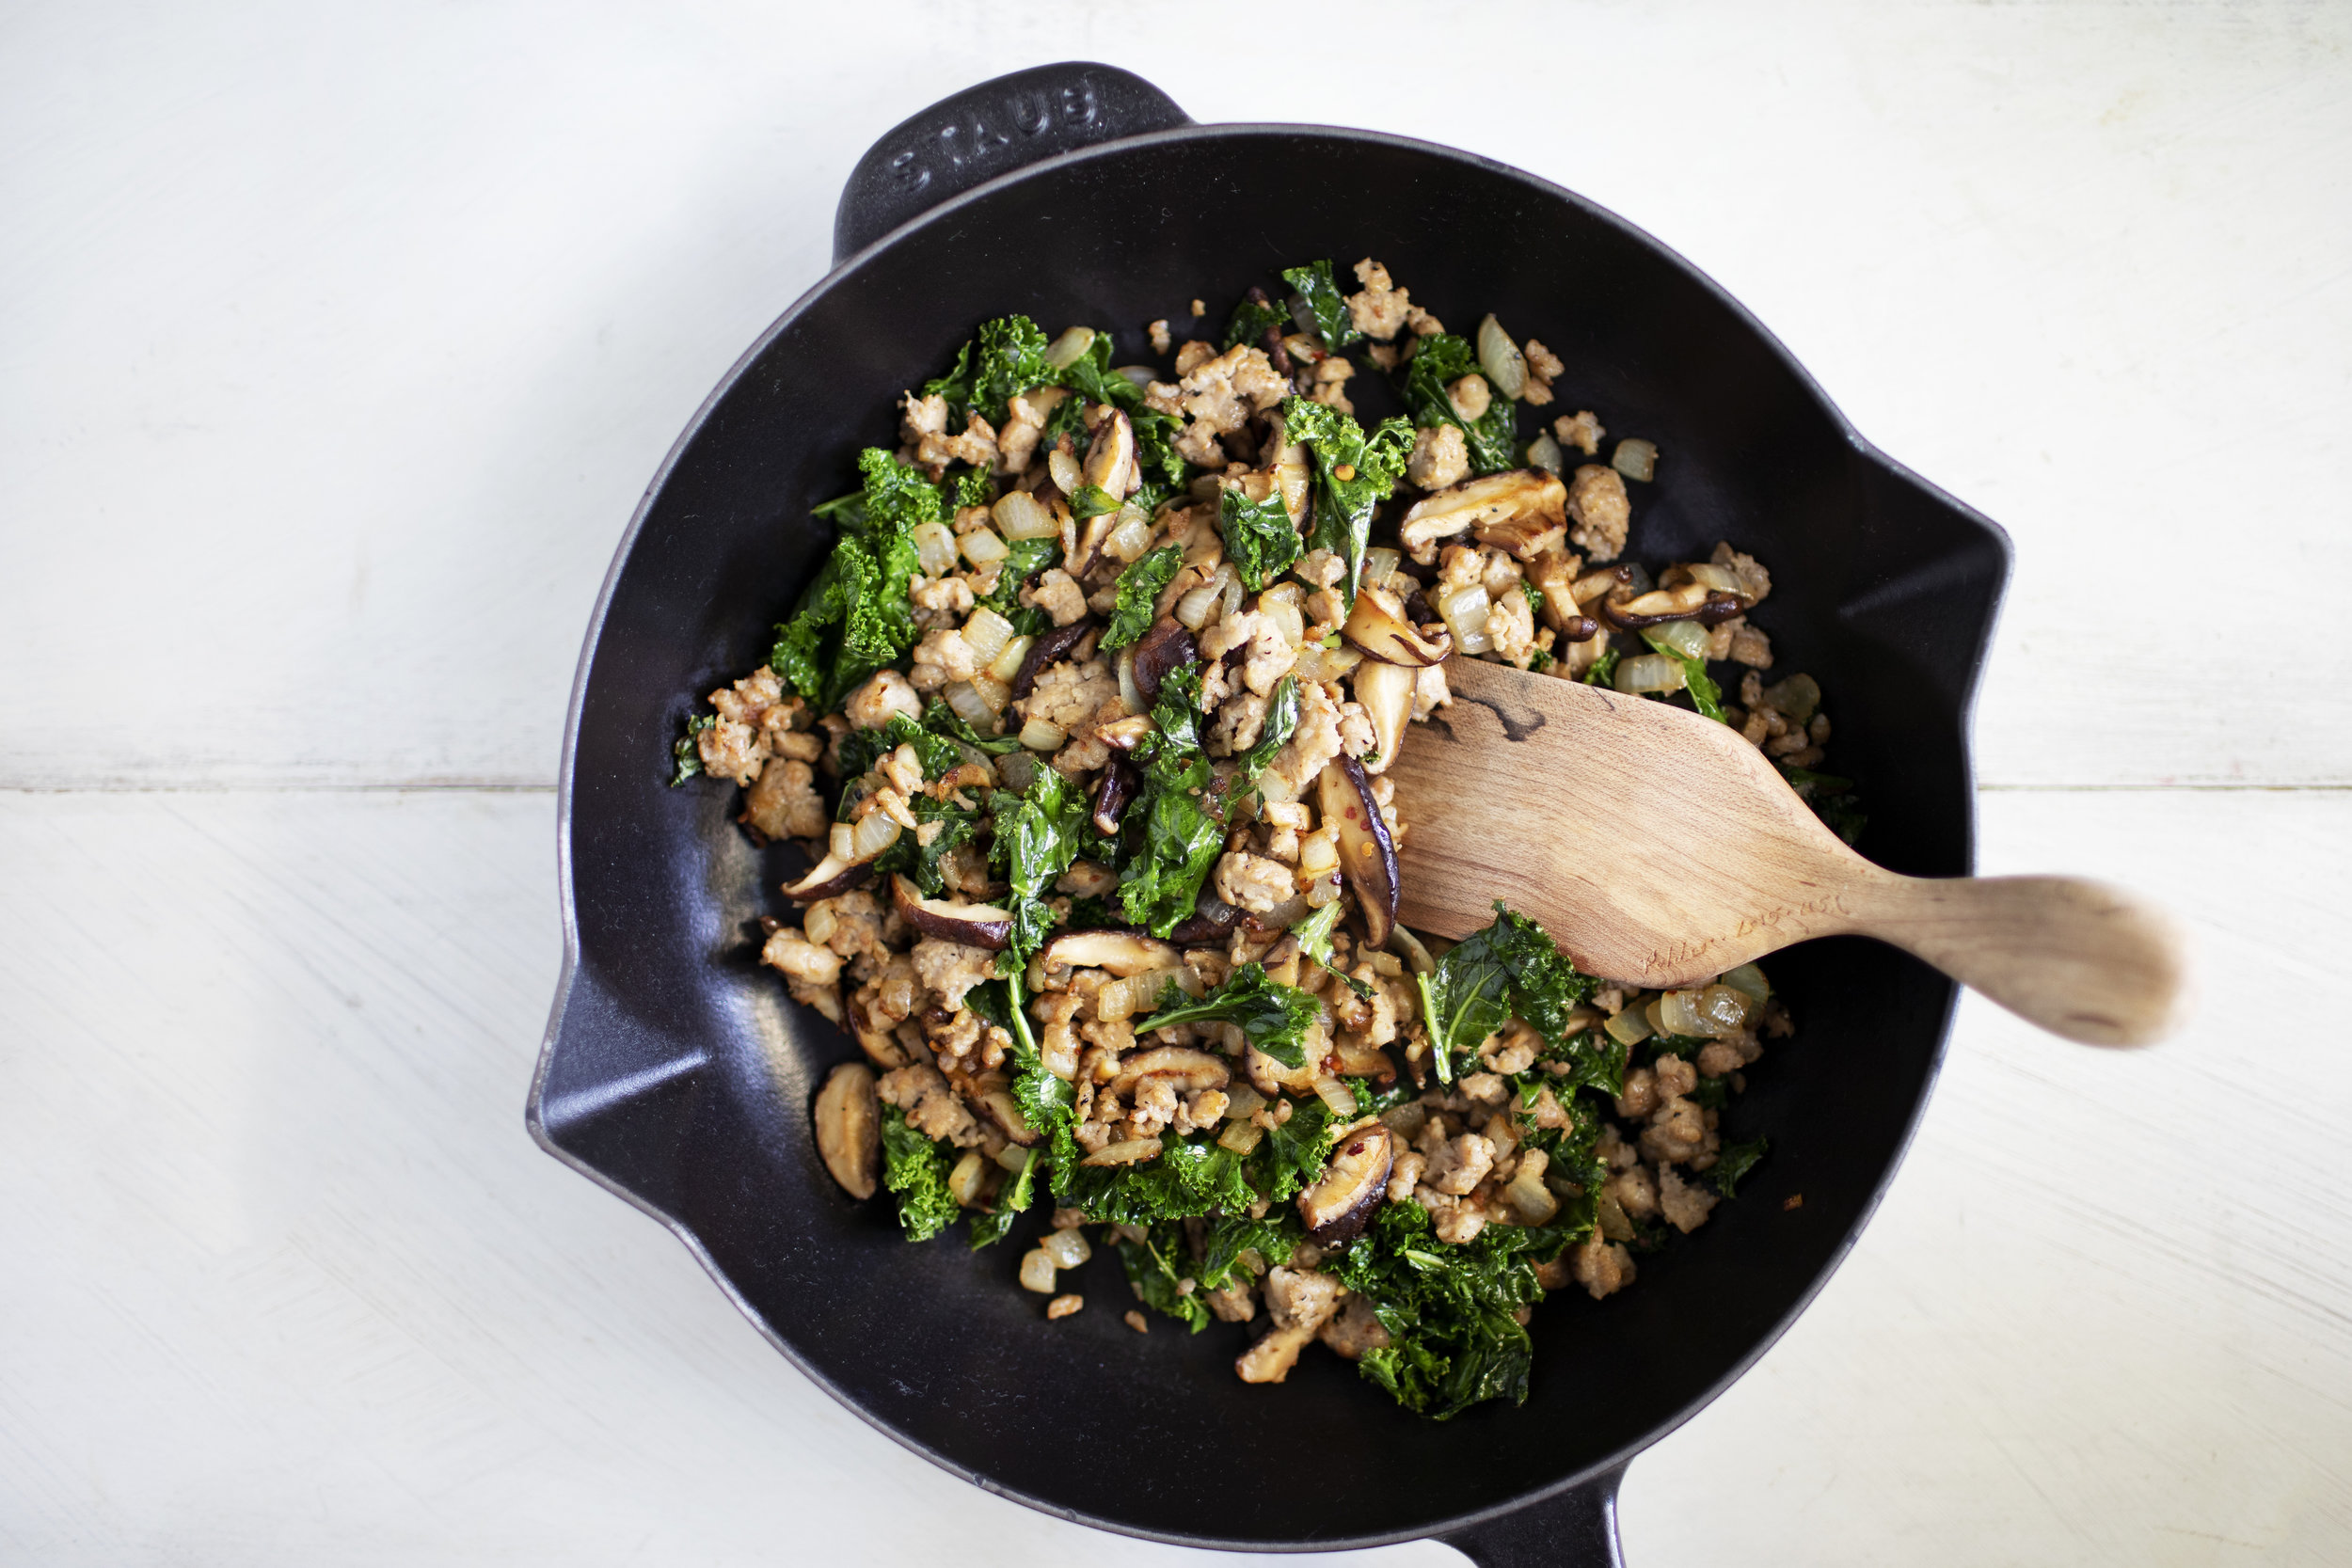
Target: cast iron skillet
x,y
678,1074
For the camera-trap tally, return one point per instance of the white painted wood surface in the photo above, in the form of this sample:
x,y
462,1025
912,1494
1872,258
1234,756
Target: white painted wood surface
x,y
336,346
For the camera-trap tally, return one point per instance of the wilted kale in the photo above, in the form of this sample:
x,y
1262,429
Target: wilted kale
x,y
1453,1340
1250,319
1139,588
1011,360
1092,382
916,1169
1510,967
1225,1237
1282,722
1833,800
1012,1203
1438,362
1315,940
1293,1154
1024,559
1273,1016
854,619
1319,295
1181,810
862,749
1734,1162
918,861
1156,1268
1259,540
941,719
1602,669
1192,1176
686,756
1036,839
1704,694
1344,507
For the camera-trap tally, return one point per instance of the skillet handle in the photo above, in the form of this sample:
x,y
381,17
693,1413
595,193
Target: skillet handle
x,y
989,129
1576,1528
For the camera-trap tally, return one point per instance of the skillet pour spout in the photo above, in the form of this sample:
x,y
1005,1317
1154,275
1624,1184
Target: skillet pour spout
x,y
677,1076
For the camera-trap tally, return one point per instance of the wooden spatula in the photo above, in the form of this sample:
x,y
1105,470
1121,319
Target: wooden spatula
x,y
1658,847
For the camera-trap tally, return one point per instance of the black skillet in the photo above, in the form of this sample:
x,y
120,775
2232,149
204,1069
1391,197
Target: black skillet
x,y
676,1073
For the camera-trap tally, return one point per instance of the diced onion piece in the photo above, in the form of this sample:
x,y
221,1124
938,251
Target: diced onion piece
x,y
870,836
1337,1095
1678,1014
1527,1195
983,547
1501,359
1142,375
1229,598
964,1181
1687,638
1064,467
1319,853
1284,614
1721,578
1240,1136
1501,1133
1325,891
1067,1248
1636,459
1192,610
1650,673
1795,698
1379,565
969,706
1653,1013
1545,453
1012,1158
1039,735
1022,516
988,632
934,548
1464,612
1006,664
1749,979
1064,351
1242,1101
1128,691
1727,1010
1628,1027
1130,537
1037,1272
1318,663
837,841
995,693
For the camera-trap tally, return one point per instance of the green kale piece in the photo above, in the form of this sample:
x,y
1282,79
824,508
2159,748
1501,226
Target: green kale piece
x,y
1250,318
1012,1203
1225,1236
916,1169
1139,588
1181,810
1259,538
1831,798
1152,1269
1274,1017
1438,362
1315,940
1454,1342
1735,1162
1594,1062
862,749
1192,1177
1091,500
1344,507
1162,467
1012,361
1603,669
1281,721
1024,559
1319,293
908,855
1510,967
944,720
1036,836
1704,694
686,757
854,619
956,386
1294,1154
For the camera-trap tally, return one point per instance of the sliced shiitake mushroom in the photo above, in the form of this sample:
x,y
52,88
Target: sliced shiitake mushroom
x,y
1386,691
1188,1070
1531,494
1379,626
1112,792
1125,954
848,1128
1167,646
973,925
828,879
1110,463
1352,1187
1367,854
1046,651
1690,600
1287,462
1213,920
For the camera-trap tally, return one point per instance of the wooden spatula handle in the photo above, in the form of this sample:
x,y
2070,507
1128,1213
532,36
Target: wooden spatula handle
x,y
2081,958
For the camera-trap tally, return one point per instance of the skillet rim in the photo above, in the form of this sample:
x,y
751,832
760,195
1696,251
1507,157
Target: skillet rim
x,y
573,974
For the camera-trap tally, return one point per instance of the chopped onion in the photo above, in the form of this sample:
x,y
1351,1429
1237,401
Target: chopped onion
x,y
1063,466
1037,1272
1282,610
1067,1248
1240,1136
983,549
1142,375
837,841
1504,365
1319,663
1464,612
1795,698
1318,852
1747,979
1008,664
1039,735
987,632
1687,638
1417,954
934,548
969,706
1678,1014
1725,1010
1230,599
1337,1095
1653,1013
1628,1027
1527,1195
1193,608
1130,537
1501,1133
1013,1159
995,693
963,1183
1066,350
1022,516
1722,579
1325,891
870,836
1650,673
1018,770
1128,693
1242,1102
1636,459
1379,565
1545,453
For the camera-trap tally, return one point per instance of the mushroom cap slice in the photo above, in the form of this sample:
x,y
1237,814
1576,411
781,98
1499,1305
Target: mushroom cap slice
x,y
1045,652
1110,463
1167,646
829,879
1378,628
973,925
848,1128
1386,691
1531,494
1125,954
1367,854
1352,1187
1189,1070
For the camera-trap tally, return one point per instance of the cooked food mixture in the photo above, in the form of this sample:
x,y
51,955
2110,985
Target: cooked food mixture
x,y
1084,725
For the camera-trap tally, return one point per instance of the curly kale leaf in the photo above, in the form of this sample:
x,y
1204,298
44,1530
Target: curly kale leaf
x,y
854,619
916,1169
1437,362
1294,1154
1180,808
1735,1162
944,720
1454,1342
1225,1238
1704,694
1036,836
1139,588
1282,722
1162,467
1344,507
686,756
1273,1016
1510,967
1154,1268
1318,295
862,749
1250,319
1191,1177
908,856
1259,537
1315,940
1012,361
1024,559
1012,1203
1602,669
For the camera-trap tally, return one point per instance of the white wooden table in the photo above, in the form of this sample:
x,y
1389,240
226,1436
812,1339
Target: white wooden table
x,y
336,346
